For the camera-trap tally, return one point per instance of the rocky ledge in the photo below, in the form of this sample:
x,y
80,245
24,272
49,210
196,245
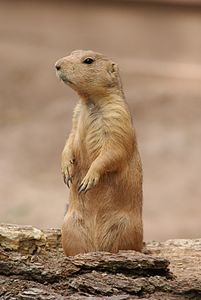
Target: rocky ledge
x,y
32,266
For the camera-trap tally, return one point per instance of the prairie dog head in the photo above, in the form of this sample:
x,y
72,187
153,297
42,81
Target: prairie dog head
x,y
89,73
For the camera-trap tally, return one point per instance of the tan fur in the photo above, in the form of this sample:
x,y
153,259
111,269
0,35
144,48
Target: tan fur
x,y
100,161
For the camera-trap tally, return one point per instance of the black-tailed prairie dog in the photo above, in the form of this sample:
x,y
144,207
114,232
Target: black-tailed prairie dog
x,y
100,161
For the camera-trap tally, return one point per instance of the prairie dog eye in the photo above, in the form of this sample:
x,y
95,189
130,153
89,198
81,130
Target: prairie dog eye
x,y
88,60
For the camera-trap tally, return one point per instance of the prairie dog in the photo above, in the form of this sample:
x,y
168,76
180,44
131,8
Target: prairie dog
x,y
100,161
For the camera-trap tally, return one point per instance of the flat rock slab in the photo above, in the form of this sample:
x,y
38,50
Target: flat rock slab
x,y
32,266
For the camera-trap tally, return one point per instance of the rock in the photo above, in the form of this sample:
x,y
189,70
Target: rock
x,y
32,266
24,239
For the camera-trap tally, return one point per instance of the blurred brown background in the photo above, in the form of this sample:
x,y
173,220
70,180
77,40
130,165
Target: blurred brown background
x,y
158,48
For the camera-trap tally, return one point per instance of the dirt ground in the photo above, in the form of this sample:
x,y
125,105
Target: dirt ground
x,y
158,50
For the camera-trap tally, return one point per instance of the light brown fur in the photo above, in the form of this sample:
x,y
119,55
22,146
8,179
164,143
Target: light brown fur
x,y
100,161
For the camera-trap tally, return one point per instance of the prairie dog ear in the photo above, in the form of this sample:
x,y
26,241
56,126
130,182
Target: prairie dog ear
x,y
113,68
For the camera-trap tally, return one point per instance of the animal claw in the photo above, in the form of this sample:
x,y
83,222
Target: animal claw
x,y
69,180
84,187
64,177
89,181
81,187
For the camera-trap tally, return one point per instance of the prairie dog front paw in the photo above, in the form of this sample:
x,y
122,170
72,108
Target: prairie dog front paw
x,y
90,180
67,168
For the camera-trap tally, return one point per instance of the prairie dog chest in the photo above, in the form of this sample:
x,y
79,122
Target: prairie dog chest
x,y
89,137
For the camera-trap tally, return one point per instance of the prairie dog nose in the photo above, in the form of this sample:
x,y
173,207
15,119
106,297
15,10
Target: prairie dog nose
x,y
58,66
